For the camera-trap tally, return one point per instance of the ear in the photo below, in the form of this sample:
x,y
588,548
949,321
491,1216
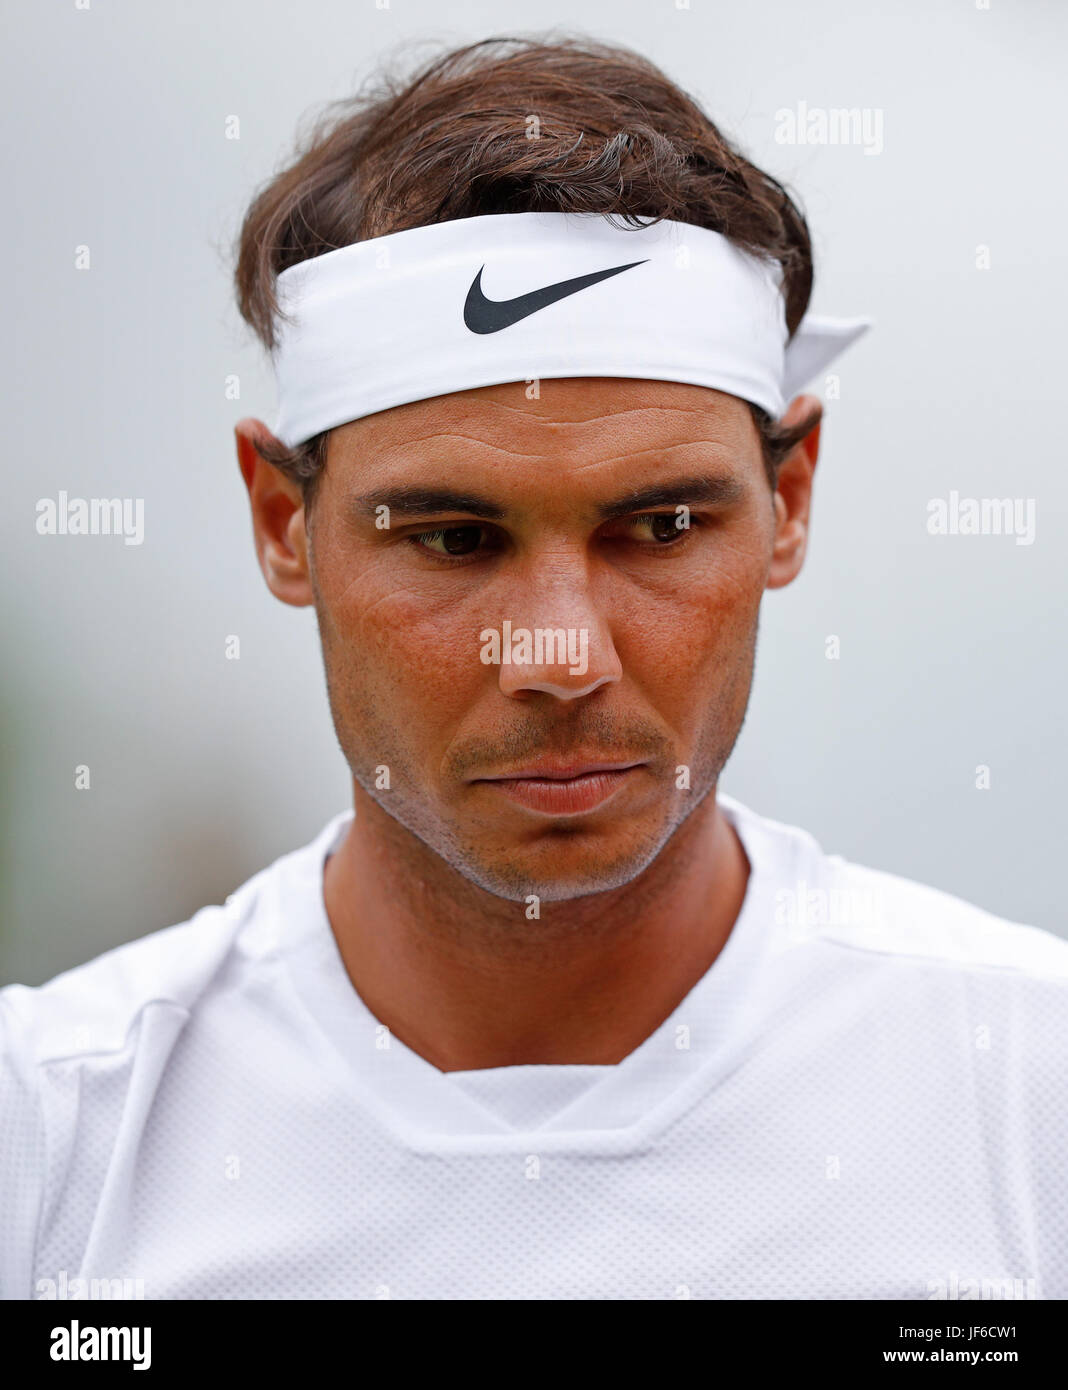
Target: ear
x,y
793,494
277,517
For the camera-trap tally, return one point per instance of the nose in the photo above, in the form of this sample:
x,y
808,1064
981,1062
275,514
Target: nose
x,y
557,638
553,671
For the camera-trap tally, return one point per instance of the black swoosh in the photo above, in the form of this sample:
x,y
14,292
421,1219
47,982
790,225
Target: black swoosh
x,y
484,315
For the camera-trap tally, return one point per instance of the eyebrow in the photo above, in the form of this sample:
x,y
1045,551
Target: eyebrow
x,y
421,501
715,490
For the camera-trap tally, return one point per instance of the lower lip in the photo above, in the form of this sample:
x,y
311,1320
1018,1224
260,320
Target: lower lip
x,y
558,797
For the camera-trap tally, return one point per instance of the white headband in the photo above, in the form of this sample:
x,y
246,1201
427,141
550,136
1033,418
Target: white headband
x,y
518,296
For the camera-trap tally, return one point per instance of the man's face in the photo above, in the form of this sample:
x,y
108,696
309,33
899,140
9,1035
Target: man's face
x,y
540,514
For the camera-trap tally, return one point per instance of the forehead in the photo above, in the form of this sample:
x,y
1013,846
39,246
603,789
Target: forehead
x,y
583,426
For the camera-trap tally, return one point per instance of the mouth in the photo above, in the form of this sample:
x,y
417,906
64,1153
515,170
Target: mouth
x,y
563,789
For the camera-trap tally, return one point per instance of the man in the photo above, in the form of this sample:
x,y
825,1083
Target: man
x,y
546,1016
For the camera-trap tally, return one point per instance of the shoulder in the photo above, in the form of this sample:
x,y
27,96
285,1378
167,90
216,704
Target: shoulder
x,y
849,907
94,1009
82,1055
900,917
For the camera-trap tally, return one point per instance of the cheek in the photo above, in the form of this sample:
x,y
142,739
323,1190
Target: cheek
x,y
395,648
696,635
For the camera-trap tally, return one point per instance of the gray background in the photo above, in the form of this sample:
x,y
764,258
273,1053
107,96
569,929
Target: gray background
x,y
203,770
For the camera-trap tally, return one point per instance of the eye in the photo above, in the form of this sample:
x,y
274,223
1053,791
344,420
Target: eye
x,y
456,541
661,527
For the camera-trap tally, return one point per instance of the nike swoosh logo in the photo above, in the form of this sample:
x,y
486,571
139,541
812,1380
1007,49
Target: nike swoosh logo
x,y
484,315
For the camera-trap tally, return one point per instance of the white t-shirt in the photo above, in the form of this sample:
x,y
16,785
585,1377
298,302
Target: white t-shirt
x,y
863,1097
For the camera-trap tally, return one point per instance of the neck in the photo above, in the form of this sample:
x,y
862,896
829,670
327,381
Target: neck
x,y
463,979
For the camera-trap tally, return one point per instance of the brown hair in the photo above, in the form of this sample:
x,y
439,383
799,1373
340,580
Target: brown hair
x,y
614,136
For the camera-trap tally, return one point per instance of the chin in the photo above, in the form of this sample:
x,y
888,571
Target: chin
x,y
558,869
